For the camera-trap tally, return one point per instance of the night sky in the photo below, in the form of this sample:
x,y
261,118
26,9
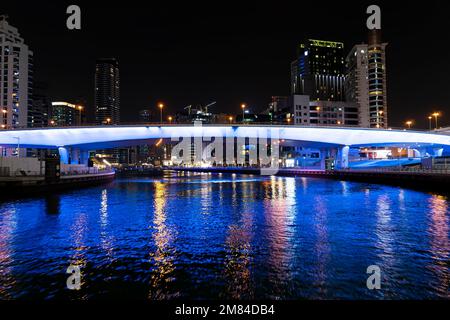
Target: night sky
x,y
229,52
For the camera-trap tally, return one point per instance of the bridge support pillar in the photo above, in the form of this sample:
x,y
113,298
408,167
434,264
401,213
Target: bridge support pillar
x,y
74,156
422,152
64,155
343,157
324,153
437,152
84,157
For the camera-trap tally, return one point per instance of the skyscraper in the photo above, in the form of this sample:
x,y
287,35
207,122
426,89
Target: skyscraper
x,y
366,81
16,77
318,70
107,91
38,114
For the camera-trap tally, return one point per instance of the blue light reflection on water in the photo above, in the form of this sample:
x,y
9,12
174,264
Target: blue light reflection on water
x,y
209,236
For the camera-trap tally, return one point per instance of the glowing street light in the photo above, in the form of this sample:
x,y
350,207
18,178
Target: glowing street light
x,y
429,120
80,109
170,119
108,120
436,115
161,107
230,118
243,106
409,123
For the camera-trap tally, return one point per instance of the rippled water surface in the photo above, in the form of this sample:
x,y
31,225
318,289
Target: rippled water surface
x,y
209,236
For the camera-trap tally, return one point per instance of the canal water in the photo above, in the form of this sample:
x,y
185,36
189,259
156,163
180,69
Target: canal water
x,y
217,236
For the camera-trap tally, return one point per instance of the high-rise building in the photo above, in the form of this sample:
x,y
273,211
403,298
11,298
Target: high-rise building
x,y
107,91
16,77
305,111
319,70
38,114
278,106
366,81
64,114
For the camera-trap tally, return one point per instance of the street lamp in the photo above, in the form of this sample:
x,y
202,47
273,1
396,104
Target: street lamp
x,y
170,119
230,118
161,107
429,120
243,106
80,109
409,123
436,115
108,120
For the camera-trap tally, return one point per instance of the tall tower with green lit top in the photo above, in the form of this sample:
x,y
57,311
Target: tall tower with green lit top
x,y
319,70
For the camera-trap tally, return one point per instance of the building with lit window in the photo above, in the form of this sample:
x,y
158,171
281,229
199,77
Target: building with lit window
x,y
107,91
319,70
145,116
38,114
65,114
304,111
277,107
16,77
366,81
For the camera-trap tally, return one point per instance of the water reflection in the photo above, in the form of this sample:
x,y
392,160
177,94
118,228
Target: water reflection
x,y
385,237
163,267
440,244
107,242
240,237
8,225
79,248
53,203
321,245
238,244
279,213
238,259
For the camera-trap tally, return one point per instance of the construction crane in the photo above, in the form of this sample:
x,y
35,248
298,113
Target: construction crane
x,y
209,105
189,107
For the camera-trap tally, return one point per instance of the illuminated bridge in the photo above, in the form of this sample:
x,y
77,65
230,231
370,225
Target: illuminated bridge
x,y
75,143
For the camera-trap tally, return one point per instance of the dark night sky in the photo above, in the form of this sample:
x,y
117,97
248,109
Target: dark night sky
x,y
229,52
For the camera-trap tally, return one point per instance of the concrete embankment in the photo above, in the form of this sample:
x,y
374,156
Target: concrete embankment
x,y
423,180
13,187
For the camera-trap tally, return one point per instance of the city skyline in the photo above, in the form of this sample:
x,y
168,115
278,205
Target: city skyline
x,y
219,75
224,159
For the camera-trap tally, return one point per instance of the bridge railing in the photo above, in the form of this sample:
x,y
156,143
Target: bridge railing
x,y
438,170
89,125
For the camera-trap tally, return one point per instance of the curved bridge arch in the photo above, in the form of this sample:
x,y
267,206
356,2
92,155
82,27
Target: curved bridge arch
x,y
113,136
